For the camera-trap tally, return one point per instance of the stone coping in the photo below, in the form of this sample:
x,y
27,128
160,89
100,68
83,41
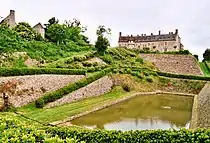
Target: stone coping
x,y
65,121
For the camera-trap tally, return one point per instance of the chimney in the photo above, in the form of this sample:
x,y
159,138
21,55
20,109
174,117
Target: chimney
x,y
120,34
142,34
12,12
151,33
176,31
138,35
159,32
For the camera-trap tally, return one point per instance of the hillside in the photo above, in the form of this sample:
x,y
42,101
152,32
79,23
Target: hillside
x,y
49,83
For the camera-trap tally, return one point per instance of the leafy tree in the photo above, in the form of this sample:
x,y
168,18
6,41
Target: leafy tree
x,y
57,33
206,55
102,42
196,56
51,21
25,31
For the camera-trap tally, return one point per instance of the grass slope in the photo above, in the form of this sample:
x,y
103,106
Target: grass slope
x,y
67,110
205,69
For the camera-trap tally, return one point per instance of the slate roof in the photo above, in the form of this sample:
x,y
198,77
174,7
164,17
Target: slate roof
x,y
149,38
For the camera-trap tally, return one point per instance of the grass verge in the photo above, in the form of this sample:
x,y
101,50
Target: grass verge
x,y
59,113
204,69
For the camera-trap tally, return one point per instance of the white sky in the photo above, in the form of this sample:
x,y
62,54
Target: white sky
x,y
128,16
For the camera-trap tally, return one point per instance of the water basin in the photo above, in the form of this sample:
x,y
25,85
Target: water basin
x,y
142,113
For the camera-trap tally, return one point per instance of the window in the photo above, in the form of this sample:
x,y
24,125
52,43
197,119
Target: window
x,y
148,44
154,47
165,43
175,47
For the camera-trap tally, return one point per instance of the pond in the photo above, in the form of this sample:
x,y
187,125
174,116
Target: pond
x,y
141,113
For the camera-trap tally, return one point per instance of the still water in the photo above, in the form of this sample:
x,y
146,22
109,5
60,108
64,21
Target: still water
x,y
141,113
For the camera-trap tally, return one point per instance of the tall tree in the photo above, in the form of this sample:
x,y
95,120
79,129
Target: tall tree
x,y
102,42
51,21
25,31
206,55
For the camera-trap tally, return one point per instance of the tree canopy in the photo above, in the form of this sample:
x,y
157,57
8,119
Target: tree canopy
x,y
206,55
102,42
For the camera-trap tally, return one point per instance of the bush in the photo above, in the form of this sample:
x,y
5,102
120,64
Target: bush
x,y
183,76
50,97
18,131
126,87
149,79
146,136
80,58
34,71
139,60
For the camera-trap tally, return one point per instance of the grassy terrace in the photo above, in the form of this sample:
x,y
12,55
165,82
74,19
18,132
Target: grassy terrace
x,y
67,110
205,69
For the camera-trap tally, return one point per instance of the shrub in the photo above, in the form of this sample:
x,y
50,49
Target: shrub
x,y
140,136
126,87
87,64
80,58
50,97
140,60
34,71
149,79
183,76
18,131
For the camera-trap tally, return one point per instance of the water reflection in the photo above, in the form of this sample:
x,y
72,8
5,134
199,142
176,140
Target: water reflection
x,y
142,112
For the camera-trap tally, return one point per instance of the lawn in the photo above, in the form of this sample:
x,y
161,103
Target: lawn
x,y
67,110
205,69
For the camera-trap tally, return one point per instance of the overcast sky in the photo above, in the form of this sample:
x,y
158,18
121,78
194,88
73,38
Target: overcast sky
x,y
128,16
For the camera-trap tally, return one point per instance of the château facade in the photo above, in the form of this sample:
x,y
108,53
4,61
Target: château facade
x,y
161,43
11,22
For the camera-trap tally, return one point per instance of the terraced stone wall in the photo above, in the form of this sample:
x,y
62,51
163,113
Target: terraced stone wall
x,y
30,88
178,64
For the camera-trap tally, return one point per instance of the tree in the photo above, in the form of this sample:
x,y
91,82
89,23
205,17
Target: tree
x,y
57,33
206,55
51,21
102,42
196,56
25,31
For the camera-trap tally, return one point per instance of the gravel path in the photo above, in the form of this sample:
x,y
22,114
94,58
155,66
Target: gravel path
x,y
34,86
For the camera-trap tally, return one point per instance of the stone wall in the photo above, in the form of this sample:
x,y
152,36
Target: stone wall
x,y
178,64
201,109
99,87
30,88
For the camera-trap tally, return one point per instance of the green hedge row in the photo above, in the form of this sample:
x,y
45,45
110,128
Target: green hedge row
x,y
183,76
147,136
50,97
34,71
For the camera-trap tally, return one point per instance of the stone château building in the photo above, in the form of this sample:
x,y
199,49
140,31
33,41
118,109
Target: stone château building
x,y
10,21
161,42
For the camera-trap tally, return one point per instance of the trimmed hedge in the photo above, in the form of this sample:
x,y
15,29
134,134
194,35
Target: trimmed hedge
x,y
183,76
34,71
50,97
146,136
